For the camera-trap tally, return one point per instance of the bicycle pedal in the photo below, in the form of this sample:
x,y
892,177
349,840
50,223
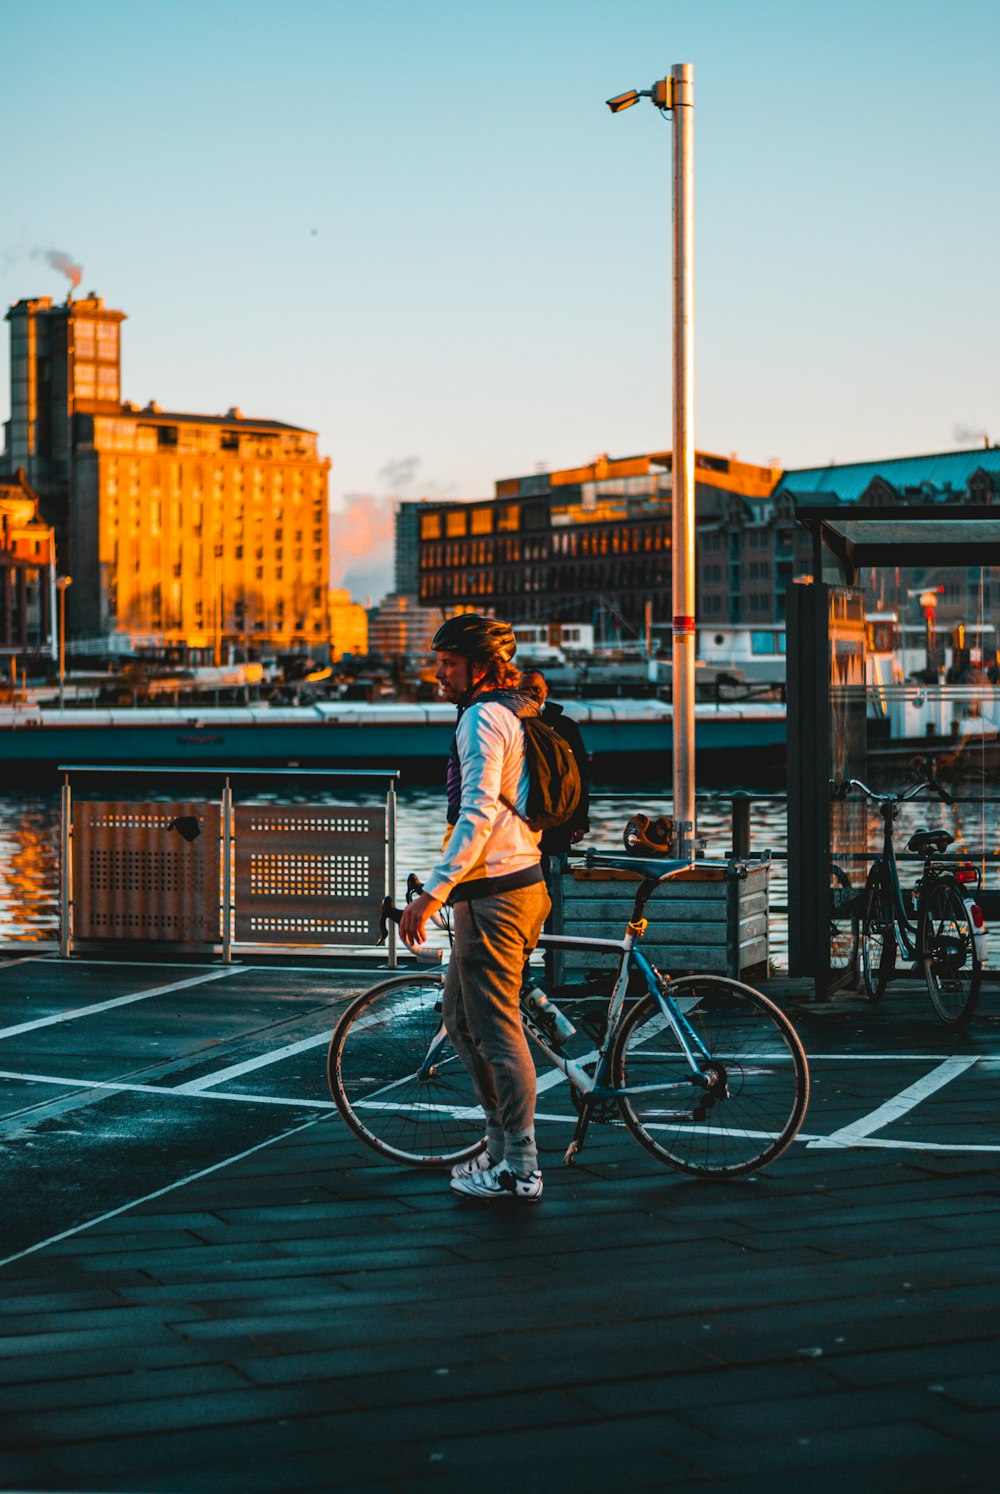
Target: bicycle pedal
x,y
571,1152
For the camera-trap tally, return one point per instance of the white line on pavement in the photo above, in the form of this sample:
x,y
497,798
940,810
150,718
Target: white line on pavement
x,y
899,1105
904,1144
222,1076
378,971
160,1090
192,1177
897,1057
73,1013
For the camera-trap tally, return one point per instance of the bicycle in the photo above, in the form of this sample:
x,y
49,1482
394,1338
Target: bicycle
x,y
705,1072
845,924
947,934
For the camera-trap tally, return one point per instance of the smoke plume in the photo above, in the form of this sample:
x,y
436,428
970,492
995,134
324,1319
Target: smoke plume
x,y
57,260
399,473
969,435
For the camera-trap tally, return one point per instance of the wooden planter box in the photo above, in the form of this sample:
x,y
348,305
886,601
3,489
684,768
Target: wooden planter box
x,y
705,919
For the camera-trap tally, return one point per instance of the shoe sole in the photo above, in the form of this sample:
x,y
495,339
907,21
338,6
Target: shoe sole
x,y
505,1197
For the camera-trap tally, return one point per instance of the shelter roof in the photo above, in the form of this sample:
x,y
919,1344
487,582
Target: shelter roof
x,y
939,472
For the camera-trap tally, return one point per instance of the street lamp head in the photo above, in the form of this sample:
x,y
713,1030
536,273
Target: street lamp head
x,y
623,101
661,93
64,581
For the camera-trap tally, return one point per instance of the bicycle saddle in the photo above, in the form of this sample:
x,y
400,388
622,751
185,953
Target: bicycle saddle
x,y
929,842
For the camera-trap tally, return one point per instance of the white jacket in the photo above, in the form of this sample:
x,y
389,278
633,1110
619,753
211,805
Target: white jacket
x,y
488,839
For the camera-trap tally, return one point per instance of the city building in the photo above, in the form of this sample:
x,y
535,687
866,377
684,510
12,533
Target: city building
x,y
592,544
348,625
400,628
208,532
407,548
27,575
963,595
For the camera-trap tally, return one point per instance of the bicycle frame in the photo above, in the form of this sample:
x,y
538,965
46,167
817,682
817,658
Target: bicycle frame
x,y
905,930
631,959
595,1085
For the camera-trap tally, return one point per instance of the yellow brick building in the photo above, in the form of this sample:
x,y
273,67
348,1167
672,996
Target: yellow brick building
x,y
348,625
209,531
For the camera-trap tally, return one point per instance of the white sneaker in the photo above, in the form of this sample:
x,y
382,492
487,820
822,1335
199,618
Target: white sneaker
x,y
499,1182
479,1163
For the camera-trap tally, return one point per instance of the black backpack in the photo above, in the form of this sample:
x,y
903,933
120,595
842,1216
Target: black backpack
x,y
554,783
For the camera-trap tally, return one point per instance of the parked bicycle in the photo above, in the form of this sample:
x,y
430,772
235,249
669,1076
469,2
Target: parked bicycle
x,y
705,1072
946,934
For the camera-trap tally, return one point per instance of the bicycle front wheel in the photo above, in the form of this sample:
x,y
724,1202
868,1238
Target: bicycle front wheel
x,y
396,1079
758,1086
948,947
878,937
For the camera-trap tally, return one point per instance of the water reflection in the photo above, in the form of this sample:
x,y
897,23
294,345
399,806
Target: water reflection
x,y
29,866
29,844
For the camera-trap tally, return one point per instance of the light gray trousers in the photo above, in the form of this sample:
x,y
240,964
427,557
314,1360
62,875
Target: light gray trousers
x,y
480,1006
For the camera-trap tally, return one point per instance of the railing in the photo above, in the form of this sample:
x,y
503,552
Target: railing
x,y
222,873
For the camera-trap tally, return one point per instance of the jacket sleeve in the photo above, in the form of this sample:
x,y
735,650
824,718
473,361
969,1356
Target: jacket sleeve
x,y
482,741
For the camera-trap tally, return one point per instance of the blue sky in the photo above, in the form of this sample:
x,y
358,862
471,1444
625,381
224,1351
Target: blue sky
x,y
415,228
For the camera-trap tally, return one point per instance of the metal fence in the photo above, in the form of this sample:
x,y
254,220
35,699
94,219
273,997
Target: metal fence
x,y
223,872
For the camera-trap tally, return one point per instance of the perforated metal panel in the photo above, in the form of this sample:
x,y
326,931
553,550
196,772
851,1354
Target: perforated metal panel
x,y
308,874
136,876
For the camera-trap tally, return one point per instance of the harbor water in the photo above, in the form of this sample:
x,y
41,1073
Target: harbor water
x,y
29,845
29,841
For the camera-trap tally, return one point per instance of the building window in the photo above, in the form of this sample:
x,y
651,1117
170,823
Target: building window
x,y
84,342
84,380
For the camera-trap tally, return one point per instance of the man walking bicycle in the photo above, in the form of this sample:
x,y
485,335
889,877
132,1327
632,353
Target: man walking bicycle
x,y
490,872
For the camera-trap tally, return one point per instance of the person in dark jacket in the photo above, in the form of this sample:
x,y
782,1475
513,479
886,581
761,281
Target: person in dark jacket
x,y
560,839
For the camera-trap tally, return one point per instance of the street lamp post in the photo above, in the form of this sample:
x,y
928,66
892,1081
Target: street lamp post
x,y
675,96
62,585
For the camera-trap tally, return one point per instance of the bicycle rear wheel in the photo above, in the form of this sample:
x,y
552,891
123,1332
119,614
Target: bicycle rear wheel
x,y
759,1090
952,967
396,1079
878,937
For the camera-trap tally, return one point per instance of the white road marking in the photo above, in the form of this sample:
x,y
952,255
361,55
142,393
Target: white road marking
x,y
222,1076
57,959
72,1014
556,1076
896,1057
22,960
899,1105
161,1090
890,1143
193,1177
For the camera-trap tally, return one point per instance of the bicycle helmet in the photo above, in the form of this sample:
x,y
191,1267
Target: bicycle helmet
x,y
479,639
644,837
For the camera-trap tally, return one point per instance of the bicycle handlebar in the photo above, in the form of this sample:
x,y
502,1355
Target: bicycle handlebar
x,y
869,793
389,913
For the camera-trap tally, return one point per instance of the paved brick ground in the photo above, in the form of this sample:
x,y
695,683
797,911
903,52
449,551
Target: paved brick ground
x,y
311,1318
